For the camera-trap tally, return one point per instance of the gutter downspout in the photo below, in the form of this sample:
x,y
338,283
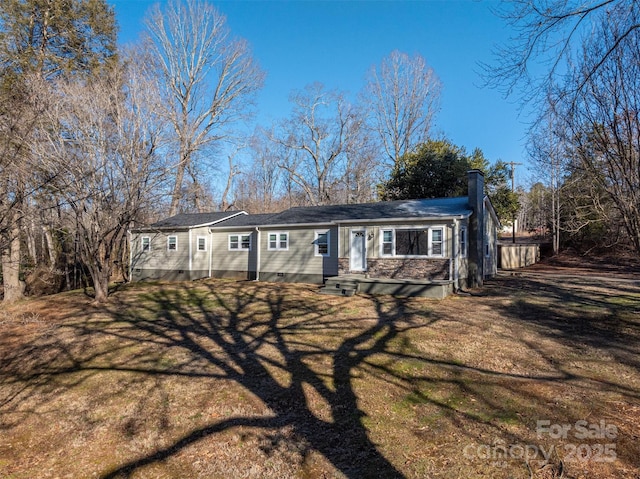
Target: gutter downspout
x,y
258,248
129,236
210,251
190,255
456,255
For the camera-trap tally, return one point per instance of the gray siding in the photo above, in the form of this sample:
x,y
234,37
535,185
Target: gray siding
x,y
299,262
159,257
200,259
232,263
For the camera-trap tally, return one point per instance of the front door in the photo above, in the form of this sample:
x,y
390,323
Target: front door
x,y
358,250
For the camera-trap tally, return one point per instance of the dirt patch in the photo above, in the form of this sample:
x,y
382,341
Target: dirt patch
x,y
567,262
240,379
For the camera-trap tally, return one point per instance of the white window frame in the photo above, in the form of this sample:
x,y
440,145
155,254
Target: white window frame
x,y
278,246
383,242
145,248
430,242
316,244
464,242
198,238
430,252
239,242
169,243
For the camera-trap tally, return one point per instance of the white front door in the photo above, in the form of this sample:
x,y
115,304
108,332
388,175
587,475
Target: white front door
x,y
358,250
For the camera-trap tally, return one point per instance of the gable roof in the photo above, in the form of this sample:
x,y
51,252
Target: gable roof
x,y
192,220
246,221
382,210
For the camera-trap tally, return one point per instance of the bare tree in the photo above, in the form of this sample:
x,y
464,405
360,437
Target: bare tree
x,y
403,95
39,40
259,188
604,123
207,78
316,139
104,132
548,33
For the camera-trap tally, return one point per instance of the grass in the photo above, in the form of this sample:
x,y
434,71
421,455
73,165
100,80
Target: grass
x,y
254,380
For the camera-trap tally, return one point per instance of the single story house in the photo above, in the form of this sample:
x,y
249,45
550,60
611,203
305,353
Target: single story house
x,y
428,247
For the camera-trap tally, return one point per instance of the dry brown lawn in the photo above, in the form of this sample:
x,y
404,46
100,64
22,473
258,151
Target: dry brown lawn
x,y
533,375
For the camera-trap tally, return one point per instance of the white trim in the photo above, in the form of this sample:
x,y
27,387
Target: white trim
x,y
210,253
142,238
382,242
130,239
190,251
258,254
455,246
364,264
240,241
442,242
316,248
278,246
429,230
151,229
217,221
464,246
168,243
198,238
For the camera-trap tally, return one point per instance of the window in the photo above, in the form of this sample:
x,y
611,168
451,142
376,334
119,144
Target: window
x,y
487,250
321,243
146,243
239,242
437,246
278,241
202,243
412,242
172,243
463,242
387,243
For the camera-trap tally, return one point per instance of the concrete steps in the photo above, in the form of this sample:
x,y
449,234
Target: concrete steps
x,y
339,287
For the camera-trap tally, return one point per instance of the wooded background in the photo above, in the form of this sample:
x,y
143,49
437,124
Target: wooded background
x,y
96,139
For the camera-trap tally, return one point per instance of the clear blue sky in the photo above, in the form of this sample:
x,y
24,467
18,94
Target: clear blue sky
x,y
336,42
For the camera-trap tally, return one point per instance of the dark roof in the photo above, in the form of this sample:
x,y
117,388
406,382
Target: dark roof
x,y
247,220
383,210
431,208
189,220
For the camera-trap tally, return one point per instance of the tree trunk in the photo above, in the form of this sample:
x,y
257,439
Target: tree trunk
x,y
176,195
100,278
13,287
53,259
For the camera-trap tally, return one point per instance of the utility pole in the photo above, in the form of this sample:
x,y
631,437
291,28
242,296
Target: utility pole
x,y
512,173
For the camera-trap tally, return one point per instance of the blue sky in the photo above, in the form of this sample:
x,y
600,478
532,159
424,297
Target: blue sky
x,y
336,42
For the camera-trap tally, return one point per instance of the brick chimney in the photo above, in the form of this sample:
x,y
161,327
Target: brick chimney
x,y
476,228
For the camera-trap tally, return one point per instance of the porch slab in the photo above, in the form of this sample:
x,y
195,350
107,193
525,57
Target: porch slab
x,y
436,289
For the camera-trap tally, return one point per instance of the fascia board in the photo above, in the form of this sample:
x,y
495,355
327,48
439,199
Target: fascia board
x,y
146,229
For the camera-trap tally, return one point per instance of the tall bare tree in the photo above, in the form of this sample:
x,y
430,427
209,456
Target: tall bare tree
x,y
604,123
316,139
403,94
104,132
208,79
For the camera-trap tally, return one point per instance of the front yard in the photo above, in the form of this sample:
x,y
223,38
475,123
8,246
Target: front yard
x,y
222,379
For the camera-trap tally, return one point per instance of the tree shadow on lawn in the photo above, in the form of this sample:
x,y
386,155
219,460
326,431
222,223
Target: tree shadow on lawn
x,y
578,312
246,345
279,347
